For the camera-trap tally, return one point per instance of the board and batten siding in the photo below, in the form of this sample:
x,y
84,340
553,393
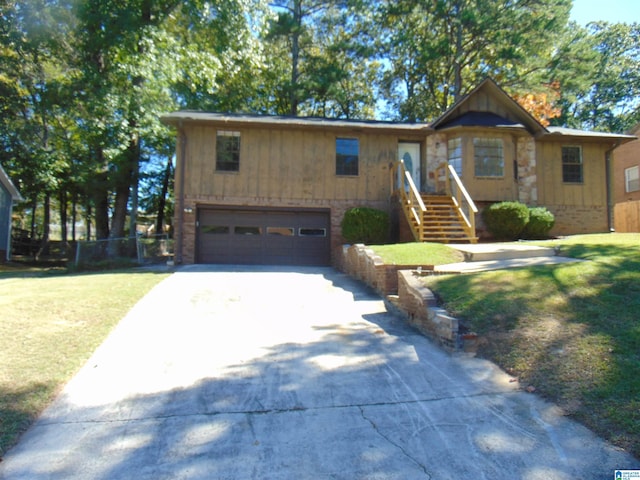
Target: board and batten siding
x,y
280,168
578,207
288,165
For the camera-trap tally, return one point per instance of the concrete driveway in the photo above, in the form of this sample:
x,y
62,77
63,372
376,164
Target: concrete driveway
x,y
276,373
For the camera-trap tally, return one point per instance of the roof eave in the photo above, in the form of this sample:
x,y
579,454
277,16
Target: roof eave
x,y
8,184
180,118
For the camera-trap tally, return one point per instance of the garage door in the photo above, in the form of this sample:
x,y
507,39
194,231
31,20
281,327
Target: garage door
x,y
263,237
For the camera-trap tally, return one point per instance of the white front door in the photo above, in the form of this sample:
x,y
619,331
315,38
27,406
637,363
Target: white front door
x,y
410,154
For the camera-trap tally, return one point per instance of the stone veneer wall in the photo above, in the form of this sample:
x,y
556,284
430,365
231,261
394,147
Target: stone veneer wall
x,y
420,306
362,263
436,155
527,178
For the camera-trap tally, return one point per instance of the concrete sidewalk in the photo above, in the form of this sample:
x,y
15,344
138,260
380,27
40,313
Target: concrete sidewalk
x,y
277,373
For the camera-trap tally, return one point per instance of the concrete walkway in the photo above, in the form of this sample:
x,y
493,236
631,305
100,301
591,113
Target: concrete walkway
x,y
275,373
483,257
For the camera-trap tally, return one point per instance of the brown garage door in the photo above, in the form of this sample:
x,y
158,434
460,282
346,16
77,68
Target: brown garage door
x,y
263,237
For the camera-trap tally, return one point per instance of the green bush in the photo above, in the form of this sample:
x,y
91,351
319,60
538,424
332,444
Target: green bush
x,y
365,225
541,222
506,220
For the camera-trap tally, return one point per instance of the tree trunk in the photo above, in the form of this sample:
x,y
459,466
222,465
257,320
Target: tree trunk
x,y
295,57
46,227
63,216
74,214
457,66
88,219
100,194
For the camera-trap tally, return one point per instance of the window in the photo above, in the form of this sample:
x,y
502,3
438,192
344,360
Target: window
x,y
632,179
488,157
312,232
215,229
454,152
571,165
347,150
281,231
228,151
247,230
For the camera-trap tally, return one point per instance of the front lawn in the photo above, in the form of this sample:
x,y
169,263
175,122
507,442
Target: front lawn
x,y
417,254
571,331
51,324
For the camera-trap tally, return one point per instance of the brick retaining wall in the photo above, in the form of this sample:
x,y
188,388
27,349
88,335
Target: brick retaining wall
x,y
414,300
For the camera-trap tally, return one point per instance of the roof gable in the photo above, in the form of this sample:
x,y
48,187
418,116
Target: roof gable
x,y
489,105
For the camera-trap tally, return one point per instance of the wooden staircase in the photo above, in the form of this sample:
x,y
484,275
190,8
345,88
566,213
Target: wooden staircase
x,y
442,222
444,218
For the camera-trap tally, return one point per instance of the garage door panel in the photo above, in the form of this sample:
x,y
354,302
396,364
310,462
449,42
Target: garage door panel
x,y
268,237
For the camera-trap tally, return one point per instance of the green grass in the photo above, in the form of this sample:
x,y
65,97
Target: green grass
x,y
51,324
417,254
572,331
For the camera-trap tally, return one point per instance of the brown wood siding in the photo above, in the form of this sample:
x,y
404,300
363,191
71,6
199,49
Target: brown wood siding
x,y
553,191
484,101
288,165
487,188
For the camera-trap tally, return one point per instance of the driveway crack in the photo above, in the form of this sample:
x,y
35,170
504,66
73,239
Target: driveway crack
x,y
395,444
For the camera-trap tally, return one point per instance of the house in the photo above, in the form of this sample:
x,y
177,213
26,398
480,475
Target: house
x,y
626,185
273,190
8,196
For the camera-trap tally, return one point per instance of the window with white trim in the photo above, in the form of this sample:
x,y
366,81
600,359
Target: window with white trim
x,y
632,179
228,151
488,155
572,164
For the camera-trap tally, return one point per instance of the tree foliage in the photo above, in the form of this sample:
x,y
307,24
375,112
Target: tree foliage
x,y
83,83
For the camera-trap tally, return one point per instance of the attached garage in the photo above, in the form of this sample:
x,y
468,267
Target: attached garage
x,y
263,236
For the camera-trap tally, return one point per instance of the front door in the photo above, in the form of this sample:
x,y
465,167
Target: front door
x,y
410,154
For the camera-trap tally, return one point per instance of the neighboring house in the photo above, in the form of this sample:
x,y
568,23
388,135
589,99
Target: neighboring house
x,y
626,185
8,196
273,190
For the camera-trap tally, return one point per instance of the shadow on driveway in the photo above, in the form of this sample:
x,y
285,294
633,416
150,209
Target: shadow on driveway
x,y
285,373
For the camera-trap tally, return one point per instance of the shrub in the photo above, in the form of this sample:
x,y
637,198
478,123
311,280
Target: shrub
x,y
541,222
506,220
365,225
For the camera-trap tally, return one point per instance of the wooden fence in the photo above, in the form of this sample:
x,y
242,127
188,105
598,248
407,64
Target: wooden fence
x,y
626,217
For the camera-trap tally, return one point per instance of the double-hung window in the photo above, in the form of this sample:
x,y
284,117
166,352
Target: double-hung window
x,y
488,155
572,164
228,151
632,179
347,153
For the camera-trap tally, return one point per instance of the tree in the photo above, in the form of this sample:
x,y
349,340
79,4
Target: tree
x,y
445,47
610,100
542,106
37,72
326,73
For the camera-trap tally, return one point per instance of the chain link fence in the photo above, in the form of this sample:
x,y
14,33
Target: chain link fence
x,y
153,250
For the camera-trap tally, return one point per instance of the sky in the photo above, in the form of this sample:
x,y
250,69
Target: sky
x,y
613,11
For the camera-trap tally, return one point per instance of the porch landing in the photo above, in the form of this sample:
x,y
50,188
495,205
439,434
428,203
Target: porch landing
x,y
481,257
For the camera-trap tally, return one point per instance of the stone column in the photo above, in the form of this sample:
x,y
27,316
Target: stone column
x,y
436,153
527,177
